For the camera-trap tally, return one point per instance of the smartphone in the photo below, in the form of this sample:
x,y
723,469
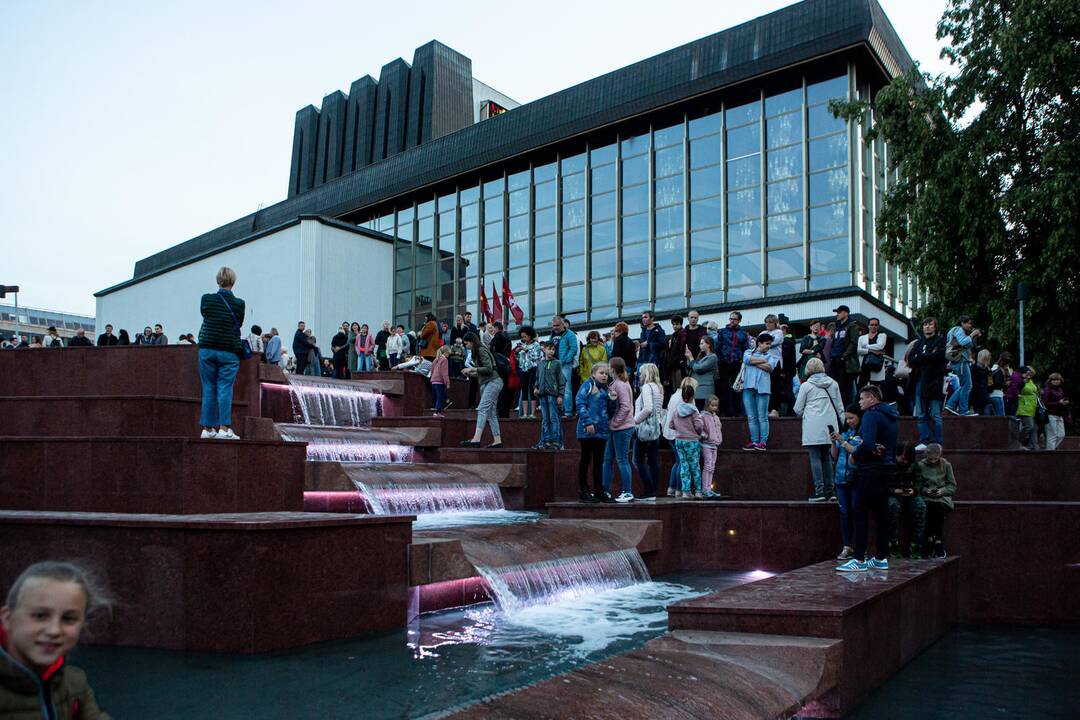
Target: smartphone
x,y
831,429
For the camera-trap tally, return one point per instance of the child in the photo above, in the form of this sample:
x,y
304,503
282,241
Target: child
x,y
711,440
759,364
938,486
440,378
550,385
674,479
906,498
592,431
844,446
41,622
689,429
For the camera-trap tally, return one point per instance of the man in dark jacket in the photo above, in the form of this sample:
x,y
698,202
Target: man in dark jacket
x,y
107,339
875,461
300,348
653,342
733,343
843,361
380,345
671,375
80,340
928,369
339,348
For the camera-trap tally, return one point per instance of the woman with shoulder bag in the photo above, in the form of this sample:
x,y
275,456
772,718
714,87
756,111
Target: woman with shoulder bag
x,y
648,422
872,354
220,350
821,410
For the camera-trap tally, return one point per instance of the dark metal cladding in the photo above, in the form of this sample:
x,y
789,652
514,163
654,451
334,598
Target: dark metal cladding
x,y
359,124
440,93
796,34
305,141
331,137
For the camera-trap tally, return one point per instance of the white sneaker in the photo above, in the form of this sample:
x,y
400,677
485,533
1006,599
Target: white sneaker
x,y
625,498
227,435
208,434
921,447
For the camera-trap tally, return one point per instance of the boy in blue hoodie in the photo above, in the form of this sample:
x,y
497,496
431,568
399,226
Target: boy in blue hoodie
x,y
875,462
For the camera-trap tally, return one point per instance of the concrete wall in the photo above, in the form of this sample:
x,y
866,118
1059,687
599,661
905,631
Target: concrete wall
x,y
310,271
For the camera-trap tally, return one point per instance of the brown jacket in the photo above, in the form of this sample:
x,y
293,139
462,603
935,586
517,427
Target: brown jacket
x,y
22,692
430,332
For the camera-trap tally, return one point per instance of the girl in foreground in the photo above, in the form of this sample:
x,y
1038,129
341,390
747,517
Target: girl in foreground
x,y
39,624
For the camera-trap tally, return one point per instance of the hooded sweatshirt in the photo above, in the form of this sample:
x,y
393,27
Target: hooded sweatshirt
x,y
819,405
713,435
61,691
687,423
879,427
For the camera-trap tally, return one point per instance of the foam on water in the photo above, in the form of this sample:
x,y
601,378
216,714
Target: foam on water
x,y
563,579
320,402
445,520
423,498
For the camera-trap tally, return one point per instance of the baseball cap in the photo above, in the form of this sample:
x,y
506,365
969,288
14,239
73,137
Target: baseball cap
x,y
845,308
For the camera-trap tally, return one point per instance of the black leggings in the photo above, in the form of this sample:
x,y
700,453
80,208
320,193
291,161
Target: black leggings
x,y
592,451
935,521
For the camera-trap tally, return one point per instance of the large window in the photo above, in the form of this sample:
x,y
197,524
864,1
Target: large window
x,y
785,208
830,262
743,155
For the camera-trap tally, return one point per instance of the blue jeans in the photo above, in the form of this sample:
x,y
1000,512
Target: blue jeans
x,y
439,391
648,465
757,414
959,399
673,482
845,500
617,450
364,363
929,418
997,406
821,469
568,391
550,424
217,370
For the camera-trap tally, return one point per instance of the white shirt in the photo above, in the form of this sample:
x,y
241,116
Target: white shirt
x,y
864,350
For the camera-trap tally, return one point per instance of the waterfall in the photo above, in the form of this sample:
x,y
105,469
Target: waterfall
x,y
549,581
346,444
420,498
316,401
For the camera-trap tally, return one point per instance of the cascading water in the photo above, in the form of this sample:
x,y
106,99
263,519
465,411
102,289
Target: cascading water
x,y
425,498
323,402
326,443
551,581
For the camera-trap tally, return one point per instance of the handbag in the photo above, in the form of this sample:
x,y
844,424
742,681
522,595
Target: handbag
x,y
873,362
649,429
1042,417
740,379
245,346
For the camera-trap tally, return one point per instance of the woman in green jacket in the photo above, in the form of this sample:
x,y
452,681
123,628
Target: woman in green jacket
x,y
1025,411
938,487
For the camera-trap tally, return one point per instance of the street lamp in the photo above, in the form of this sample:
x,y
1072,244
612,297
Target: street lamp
x,y
14,290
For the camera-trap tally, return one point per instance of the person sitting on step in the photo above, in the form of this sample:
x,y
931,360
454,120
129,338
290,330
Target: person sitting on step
x,y
906,500
938,487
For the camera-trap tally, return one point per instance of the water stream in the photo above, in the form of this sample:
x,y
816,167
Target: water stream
x,y
316,401
420,498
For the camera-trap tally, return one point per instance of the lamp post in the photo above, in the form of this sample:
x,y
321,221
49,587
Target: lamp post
x,y
1021,296
14,290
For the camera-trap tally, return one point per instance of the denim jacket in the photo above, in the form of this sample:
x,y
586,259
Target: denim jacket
x,y
593,409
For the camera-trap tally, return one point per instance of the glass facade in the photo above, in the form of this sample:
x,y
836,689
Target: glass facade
x,y
765,197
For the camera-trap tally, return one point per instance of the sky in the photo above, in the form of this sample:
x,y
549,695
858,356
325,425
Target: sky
x,y
129,127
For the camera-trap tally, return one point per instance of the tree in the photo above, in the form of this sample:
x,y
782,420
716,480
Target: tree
x,y
989,164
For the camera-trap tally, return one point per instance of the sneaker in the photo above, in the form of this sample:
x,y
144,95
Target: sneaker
x,y
606,498
678,494
699,496
438,415
671,493
495,446
852,565
625,498
916,551
227,434
469,444
449,404
952,411
712,494
921,447
750,446
875,564
894,550
208,434
647,498
539,446
970,413
589,498
760,446
817,499
832,498
846,553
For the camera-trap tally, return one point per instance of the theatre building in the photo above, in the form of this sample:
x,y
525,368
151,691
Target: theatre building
x,y
712,176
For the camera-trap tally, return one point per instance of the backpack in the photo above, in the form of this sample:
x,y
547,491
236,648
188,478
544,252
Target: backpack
x,y
502,365
952,350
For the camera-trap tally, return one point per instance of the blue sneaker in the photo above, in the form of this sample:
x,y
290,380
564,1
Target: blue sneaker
x,y
852,565
875,564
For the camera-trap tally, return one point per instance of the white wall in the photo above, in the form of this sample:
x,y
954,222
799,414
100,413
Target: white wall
x,y
311,272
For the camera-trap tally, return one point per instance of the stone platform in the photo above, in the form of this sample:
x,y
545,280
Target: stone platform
x,y
240,583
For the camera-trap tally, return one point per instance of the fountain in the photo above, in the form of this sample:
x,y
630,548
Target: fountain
x,y
319,401
421,498
337,444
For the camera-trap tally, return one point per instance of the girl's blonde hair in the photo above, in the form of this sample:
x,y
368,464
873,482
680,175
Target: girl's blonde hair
x,y
226,277
97,597
443,350
984,357
649,373
595,369
688,382
618,367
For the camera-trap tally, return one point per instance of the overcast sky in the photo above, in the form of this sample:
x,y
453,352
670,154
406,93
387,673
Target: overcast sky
x,y
128,127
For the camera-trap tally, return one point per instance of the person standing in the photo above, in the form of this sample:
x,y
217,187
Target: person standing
x,y
813,345
648,420
757,386
872,354
550,385
875,462
272,348
710,443
440,379
617,450
1026,408
339,347
592,433
300,348
982,384
146,338
592,354
469,324
159,337
846,480
703,370
689,429
693,332
80,339
502,349
844,353
123,338
958,346
397,347
529,355
652,343
107,339
490,384
429,340
1000,374
219,355
254,338
623,347
820,408
733,344
906,499
365,349
52,338
675,357
928,366
1057,409
381,339
354,360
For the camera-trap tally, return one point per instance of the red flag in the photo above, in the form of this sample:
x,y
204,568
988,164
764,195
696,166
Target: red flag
x,y
511,303
496,306
485,313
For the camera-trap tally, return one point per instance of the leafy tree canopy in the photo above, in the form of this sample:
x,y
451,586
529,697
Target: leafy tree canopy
x,y
989,163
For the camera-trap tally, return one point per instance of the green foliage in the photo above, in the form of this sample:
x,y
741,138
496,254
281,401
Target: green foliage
x,y
989,161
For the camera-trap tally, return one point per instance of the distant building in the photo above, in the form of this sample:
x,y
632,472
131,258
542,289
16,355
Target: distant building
x,y
712,176
35,322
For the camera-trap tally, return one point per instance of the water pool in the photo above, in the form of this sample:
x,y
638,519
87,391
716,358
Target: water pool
x,y
441,661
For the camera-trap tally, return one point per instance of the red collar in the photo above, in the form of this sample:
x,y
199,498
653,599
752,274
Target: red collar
x,y
49,671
